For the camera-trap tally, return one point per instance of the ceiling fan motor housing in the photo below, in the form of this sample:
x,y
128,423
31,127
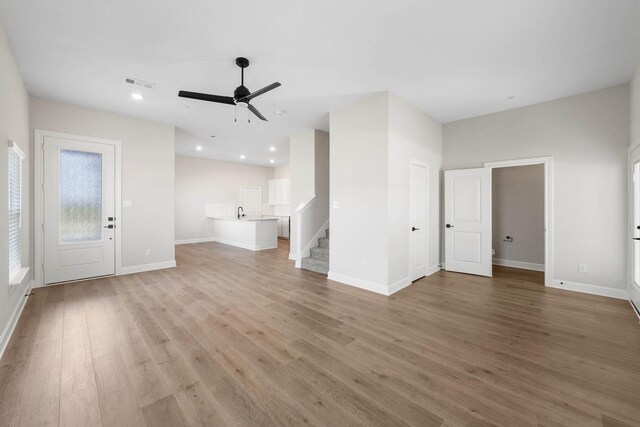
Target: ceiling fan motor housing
x,y
240,92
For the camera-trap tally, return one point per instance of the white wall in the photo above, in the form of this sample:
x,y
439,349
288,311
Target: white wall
x,y
412,136
148,158
202,181
282,172
302,175
359,135
518,211
14,125
587,135
635,108
372,144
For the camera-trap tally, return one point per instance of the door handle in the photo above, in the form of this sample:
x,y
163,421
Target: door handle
x,y
636,238
449,226
109,226
414,229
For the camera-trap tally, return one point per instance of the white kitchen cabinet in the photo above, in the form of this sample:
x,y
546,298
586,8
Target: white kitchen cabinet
x,y
283,227
279,193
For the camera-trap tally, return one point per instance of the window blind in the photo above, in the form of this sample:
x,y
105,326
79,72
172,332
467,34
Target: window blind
x,y
15,208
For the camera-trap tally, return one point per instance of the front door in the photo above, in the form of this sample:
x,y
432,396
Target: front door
x,y
79,209
467,215
635,231
418,218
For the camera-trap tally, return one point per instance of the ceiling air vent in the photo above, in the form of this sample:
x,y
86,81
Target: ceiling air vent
x,y
138,82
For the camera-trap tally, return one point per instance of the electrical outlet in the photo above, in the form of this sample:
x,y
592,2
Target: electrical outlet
x,y
147,252
582,268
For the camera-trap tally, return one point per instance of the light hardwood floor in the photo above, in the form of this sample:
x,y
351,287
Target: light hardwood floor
x,y
233,337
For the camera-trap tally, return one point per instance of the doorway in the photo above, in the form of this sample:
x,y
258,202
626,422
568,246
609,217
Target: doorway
x,y
251,201
468,217
517,207
77,207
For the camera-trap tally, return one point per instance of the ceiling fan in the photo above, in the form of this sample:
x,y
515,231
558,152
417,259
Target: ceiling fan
x,y
241,94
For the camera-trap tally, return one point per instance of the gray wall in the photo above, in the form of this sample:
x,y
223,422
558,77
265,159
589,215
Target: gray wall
x,y
518,211
14,125
148,159
588,136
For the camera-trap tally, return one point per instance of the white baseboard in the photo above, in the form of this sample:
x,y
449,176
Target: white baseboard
x,y
590,289
378,288
400,284
292,257
13,320
635,309
146,267
518,264
433,269
199,240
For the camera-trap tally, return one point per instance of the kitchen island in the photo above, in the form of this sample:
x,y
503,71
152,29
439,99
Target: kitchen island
x,y
253,233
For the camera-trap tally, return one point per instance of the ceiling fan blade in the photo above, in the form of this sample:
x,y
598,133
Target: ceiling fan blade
x,y
255,111
259,92
206,97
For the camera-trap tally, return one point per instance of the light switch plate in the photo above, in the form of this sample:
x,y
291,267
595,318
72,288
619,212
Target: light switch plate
x,y
127,204
336,204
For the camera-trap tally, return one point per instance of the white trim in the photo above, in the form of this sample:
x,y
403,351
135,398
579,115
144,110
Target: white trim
x,y
399,285
547,161
518,264
38,196
292,257
359,283
17,278
146,267
13,320
635,310
197,240
589,289
314,241
433,269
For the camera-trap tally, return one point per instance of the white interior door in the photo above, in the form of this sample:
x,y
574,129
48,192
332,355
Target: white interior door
x,y
251,200
467,215
79,209
634,290
418,197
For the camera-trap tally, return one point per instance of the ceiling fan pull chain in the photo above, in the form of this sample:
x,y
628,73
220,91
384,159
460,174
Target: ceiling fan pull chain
x,y
235,114
248,116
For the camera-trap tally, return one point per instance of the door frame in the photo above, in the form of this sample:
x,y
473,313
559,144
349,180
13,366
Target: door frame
x,y
425,165
630,222
38,196
547,161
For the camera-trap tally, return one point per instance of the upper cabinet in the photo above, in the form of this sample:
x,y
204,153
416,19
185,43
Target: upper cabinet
x,y
279,193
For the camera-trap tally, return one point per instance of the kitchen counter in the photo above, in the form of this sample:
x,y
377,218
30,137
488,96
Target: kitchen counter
x,y
253,233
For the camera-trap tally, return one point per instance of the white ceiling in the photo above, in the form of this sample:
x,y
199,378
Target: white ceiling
x,y
454,59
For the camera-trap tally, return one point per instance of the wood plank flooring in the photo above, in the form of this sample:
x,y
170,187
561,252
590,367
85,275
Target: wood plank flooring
x,y
233,337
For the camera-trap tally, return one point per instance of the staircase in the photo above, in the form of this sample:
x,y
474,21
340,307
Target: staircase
x,y
319,259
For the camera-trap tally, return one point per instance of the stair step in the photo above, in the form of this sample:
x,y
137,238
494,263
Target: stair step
x,y
316,264
320,253
323,242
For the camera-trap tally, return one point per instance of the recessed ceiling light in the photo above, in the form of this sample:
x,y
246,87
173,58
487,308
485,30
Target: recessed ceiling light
x,y
212,136
137,96
272,148
199,147
272,161
511,97
242,156
278,112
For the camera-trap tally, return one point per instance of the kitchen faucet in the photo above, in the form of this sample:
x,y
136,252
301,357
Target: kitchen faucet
x,y
240,207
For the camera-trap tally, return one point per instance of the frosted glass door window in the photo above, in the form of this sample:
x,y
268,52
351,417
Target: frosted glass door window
x,y
80,196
